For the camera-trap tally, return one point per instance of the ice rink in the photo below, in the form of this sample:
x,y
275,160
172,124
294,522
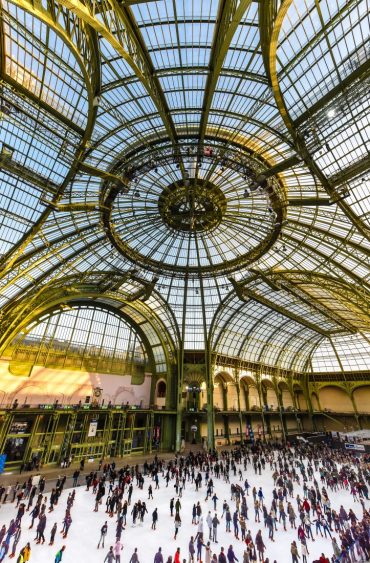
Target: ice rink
x,y
81,543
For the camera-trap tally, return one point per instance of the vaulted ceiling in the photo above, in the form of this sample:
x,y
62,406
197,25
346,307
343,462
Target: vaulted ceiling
x,y
209,161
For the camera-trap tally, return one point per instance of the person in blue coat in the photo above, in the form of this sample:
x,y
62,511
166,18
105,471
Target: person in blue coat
x,y
231,557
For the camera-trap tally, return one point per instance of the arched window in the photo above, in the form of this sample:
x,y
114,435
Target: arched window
x,y
83,337
161,390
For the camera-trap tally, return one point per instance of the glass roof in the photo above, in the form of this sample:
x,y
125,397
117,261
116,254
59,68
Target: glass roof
x,y
211,159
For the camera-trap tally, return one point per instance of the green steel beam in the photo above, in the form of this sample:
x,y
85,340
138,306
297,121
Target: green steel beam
x,y
267,11
88,62
230,14
113,22
360,72
234,73
36,100
355,169
243,291
29,175
298,140
185,133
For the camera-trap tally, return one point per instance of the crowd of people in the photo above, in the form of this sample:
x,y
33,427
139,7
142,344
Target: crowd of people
x,y
304,480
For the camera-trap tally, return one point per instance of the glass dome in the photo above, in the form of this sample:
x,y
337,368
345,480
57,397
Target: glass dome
x,y
212,163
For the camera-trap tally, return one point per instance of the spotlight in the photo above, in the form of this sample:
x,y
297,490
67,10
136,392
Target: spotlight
x,y
96,101
246,193
137,194
327,146
331,113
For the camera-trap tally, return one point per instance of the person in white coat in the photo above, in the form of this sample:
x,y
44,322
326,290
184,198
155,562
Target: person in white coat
x,y
209,524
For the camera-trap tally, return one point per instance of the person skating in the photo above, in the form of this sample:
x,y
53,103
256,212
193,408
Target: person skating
x,y
177,524
209,524
20,558
222,556
4,550
134,557
41,529
158,558
208,553
118,547
59,554
215,523
294,552
34,514
66,524
26,552
110,557
231,557
154,519
103,533
16,538
260,546
191,549
52,534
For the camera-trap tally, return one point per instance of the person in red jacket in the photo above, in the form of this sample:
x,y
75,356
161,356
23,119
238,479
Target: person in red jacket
x,y
177,556
324,559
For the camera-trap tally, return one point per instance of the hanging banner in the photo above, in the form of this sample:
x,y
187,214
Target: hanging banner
x,y
93,427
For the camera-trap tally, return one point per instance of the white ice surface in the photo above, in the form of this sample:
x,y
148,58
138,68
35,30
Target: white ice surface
x,y
81,543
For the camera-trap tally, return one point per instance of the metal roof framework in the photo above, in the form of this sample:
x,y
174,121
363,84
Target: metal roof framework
x,y
219,151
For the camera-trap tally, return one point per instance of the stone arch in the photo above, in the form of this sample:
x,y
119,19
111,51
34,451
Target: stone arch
x,y
269,396
361,397
160,393
315,401
244,395
287,400
219,390
300,397
335,398
250,385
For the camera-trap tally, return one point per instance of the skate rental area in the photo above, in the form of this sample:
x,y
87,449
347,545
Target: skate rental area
x,y
184,281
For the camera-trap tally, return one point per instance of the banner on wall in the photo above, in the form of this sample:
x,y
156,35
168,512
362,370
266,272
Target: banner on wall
x,y
354,447
93,427
2,462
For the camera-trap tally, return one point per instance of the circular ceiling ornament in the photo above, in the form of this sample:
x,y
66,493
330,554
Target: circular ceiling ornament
x,y
192,205
207,220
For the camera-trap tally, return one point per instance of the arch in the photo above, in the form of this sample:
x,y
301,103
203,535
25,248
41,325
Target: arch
x,y
160,393
248,380
269,396
232,396
300,397
315,401
287,400
224,376
219,393
334,398
361,397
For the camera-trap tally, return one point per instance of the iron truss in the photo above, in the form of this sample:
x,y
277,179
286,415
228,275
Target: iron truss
x,y
182,165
